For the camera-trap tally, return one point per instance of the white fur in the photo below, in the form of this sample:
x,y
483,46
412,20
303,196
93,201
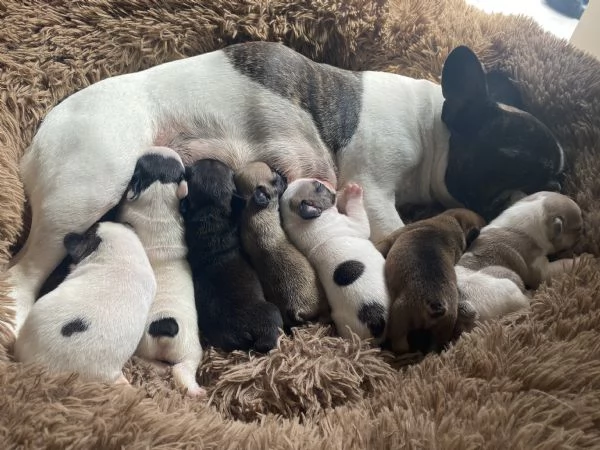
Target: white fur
x,y
334,238
155,217
84,153
492,296
112,289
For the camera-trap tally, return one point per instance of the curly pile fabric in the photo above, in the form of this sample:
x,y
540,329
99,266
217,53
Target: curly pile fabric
x,y
530,381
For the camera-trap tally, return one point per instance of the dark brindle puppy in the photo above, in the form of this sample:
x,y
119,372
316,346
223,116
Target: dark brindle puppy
x,y
232,310
288,279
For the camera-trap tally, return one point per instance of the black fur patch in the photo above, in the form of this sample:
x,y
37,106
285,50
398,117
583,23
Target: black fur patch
x,y
80,246
164,327
78,325
332,96
348,272
154,167
373,316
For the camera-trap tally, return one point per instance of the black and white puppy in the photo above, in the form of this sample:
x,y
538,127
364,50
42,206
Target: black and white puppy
x,y
234,314
92,322
151,206
403,140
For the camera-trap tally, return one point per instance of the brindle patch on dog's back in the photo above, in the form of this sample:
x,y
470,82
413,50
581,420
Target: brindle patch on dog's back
x,y
332,96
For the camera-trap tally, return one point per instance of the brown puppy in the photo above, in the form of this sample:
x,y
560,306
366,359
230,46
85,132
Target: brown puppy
x,y
288,279
419,272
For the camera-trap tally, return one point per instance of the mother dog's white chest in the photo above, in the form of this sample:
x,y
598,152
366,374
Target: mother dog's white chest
x,y
399,133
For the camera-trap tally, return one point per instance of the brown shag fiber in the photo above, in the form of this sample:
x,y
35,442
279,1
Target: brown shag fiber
x,y
530,381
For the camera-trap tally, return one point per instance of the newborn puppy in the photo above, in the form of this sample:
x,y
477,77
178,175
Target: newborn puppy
x,y
419,271
151,206
233,313
92,322
337,245
510,256
287,278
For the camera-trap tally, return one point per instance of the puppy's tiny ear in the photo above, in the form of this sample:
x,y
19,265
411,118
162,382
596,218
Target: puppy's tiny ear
x,y
471,235
135,188
182,189
557,226
260,197
307,211
72,241
553,186
280,183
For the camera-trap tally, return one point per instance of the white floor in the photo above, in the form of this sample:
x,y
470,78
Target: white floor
x,y
550,20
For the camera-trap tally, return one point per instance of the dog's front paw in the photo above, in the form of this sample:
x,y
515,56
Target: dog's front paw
x,y
353,191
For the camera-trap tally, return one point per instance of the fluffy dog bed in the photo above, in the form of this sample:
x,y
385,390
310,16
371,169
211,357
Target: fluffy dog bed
x,y
531,381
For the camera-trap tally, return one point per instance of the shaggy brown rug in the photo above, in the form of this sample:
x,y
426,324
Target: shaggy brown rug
x,y
531,381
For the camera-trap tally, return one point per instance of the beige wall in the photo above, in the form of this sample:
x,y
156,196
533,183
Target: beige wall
x,y
587,33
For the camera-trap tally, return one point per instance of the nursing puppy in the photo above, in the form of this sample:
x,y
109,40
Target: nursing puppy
x,y
234,314
151,206
287,278
403,140
92,322
419,272
337,245
510,256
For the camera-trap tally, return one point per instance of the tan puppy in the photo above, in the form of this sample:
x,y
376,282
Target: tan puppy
x,y
288,279
419,272
510,255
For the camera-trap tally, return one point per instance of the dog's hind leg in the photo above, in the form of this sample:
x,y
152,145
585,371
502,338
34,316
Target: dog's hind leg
x,y
73,174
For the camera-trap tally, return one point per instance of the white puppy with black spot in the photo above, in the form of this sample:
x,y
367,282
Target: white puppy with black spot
x,y
337,245
510,256
151,206
92,322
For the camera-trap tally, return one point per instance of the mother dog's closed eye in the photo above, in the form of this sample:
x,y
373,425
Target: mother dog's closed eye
x,y
232,311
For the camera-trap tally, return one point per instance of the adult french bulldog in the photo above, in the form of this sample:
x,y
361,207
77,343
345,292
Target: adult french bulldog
x,y
403,140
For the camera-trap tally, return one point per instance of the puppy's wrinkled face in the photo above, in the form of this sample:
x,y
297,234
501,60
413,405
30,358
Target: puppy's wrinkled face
x,y
495,150
564,221
210,187
259,185
308,198
157,174
470,222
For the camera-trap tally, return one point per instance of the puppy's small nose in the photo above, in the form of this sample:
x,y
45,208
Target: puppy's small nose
x,y
437,309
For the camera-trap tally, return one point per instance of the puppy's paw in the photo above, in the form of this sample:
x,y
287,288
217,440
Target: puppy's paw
x,y
196,392
353,191
265,327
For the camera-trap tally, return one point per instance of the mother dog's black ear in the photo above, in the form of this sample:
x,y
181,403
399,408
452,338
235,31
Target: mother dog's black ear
x,y
463,83
502,89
